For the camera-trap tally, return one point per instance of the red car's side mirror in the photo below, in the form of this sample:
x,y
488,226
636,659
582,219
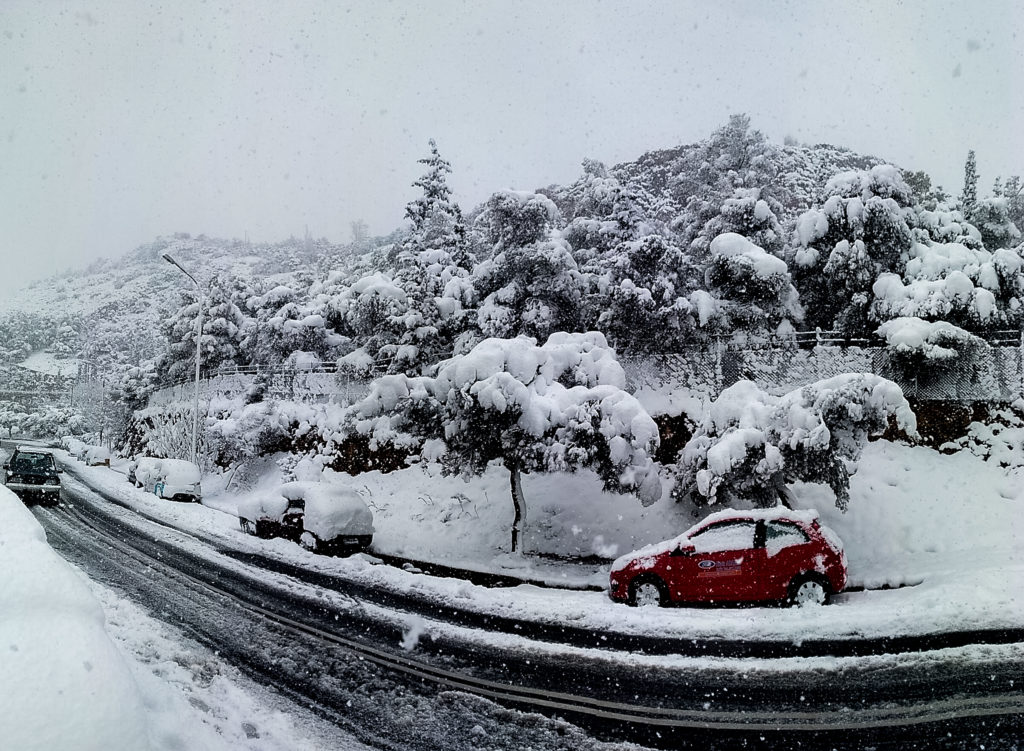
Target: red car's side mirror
x,y
683,550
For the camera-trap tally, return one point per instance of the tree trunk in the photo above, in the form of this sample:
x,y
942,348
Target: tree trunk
x,y
519,503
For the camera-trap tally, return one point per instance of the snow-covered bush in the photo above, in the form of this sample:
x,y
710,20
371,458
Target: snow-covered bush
x,y
999,439
555,407
235,432
921,351
751,444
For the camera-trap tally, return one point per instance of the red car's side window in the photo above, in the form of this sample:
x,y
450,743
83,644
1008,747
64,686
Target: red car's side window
x,y
727,536
781,535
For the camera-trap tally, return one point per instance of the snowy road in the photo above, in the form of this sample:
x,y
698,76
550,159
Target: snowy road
x,y
341,654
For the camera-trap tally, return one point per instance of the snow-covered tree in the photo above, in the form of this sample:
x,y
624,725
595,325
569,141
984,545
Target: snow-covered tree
x,y
367,312
285,322
224,322
926,196
136,385
603,213
558,407
1013,192
945,225
753,289
736,158
532,284
924,353
648,299
513,219
751,444
992,218
859,231
969,196
433,266
969,287
225,328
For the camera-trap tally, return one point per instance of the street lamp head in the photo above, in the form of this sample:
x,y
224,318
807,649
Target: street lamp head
x,y
167,257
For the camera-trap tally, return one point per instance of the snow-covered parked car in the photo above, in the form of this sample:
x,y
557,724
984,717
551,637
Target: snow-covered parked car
x,y
323,517
71,444
95,456
737,556
176,479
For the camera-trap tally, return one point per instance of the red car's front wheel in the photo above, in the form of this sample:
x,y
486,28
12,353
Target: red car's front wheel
x,y
648,592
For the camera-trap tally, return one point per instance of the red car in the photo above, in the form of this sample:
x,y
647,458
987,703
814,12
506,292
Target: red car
x,y
737,556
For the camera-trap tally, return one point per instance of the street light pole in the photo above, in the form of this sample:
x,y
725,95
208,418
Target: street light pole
x,y
199,343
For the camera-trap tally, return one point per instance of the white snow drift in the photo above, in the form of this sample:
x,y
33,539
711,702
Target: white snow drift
x,y
65,685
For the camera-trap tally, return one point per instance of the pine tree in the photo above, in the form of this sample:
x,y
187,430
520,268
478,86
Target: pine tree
x,y
1013,192
532,284
970,194
433,264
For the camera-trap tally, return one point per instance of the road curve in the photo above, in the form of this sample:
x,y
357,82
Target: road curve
x,y
312,646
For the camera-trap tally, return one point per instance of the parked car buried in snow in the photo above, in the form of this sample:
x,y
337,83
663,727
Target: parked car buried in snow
x,y
95,456
176,479
737,556
33,476
322,517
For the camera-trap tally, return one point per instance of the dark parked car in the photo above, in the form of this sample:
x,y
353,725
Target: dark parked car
x,y
33,476
737,556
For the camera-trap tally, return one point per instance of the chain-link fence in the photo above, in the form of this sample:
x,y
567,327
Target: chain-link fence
x,y
317,385
994,374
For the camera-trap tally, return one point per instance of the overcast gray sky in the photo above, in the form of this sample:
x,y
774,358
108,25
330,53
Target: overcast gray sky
x,y
122,120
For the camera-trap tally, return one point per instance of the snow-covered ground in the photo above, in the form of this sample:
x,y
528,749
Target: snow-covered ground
x,y
85,669
949,527
65,684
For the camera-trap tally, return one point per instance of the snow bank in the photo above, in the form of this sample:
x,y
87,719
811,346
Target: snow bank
x,y
66,686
